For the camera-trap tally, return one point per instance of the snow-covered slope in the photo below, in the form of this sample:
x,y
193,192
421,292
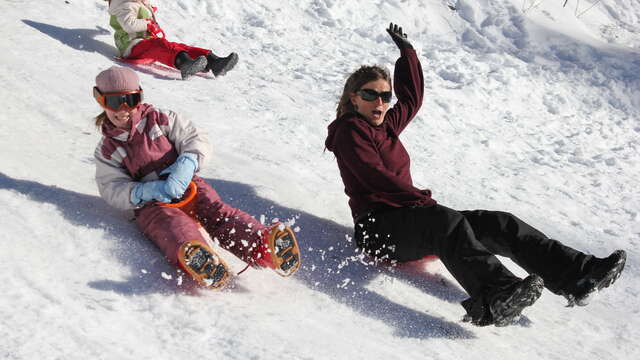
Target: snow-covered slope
x,y
530,107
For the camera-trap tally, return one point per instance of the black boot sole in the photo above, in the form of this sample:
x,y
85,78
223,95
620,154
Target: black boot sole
x,y
527,292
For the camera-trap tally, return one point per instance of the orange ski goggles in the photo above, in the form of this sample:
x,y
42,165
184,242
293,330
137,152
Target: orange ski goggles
x,y
114,101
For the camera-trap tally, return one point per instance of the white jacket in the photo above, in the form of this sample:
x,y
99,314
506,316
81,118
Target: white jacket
x,y
129,20
156,139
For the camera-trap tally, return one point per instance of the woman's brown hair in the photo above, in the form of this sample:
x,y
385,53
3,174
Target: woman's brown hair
x,y
355,81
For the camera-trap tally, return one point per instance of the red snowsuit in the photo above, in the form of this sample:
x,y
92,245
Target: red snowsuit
x,y
235,230
161,50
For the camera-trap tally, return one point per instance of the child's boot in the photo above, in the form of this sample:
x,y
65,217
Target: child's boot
x,y
279,251
204,265
220,66
188,66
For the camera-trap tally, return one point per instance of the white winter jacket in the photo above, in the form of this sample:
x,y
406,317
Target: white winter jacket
x,y
156,139
129,20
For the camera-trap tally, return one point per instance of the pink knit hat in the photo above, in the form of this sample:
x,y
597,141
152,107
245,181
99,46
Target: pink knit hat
x,y
117,78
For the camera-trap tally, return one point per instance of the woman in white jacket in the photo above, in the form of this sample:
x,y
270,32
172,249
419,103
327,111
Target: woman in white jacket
x,y
138,37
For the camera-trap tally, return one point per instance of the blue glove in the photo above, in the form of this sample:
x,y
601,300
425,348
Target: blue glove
x,y
147,191
181,173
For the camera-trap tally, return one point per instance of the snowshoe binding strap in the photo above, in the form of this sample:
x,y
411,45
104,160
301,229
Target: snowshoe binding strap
x,y
284,250
204,265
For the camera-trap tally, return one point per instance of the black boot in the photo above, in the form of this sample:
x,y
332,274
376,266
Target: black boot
x,y
603,273
507,309
220,66
189,66
505,306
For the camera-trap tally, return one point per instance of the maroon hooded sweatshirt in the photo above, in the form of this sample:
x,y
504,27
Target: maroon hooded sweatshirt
x,y
373,163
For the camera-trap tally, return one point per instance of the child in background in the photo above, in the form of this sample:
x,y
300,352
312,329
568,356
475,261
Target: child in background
x,y
141,145
138,36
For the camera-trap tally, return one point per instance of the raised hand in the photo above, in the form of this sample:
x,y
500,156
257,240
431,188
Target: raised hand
x,y
399,37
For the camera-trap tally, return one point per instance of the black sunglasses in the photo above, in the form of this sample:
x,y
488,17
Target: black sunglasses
x,y
372,95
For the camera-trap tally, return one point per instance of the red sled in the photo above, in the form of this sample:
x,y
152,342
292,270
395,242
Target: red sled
x,y
153,65
143,61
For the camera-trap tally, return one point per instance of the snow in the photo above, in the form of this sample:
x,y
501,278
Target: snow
x,y
530,107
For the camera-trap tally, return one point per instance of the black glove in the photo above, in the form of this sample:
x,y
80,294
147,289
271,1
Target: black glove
x,y
399,37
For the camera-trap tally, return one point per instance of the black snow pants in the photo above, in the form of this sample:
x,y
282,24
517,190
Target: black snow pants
x,y
466,242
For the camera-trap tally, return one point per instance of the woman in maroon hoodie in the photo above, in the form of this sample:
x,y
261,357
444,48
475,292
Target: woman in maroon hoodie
x,y
396,221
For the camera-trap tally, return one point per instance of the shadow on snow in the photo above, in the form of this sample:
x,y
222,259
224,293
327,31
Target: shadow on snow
x,y
90,211
84,40
329,257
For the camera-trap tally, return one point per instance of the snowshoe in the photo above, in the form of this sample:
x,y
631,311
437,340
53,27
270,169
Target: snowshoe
x,y
204,265
602,275
283,248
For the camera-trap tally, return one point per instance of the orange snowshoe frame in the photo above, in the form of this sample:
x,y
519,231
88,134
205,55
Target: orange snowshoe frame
x,y
284,250
198,259
204,265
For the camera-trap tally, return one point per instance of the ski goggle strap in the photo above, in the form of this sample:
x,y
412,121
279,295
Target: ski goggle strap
x,y
115,100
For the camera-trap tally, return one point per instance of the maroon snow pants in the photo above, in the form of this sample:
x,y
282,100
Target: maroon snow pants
x,y
235,230
164,51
